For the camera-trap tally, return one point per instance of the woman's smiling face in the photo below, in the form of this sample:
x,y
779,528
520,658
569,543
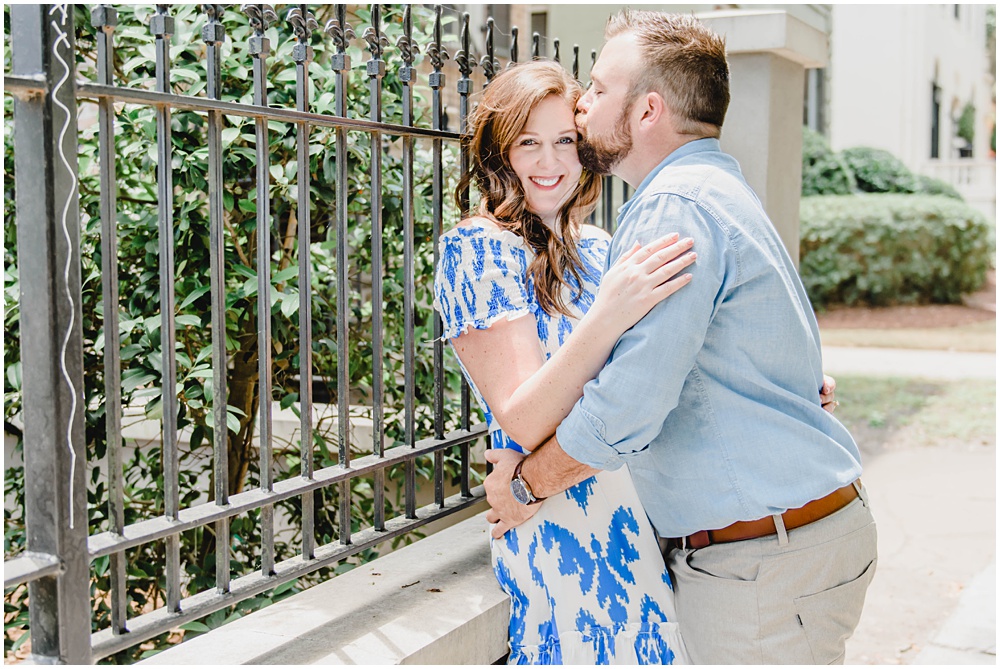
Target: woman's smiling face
x,y
544,158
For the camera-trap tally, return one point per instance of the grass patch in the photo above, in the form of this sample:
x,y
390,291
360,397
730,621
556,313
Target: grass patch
x,y
933,412
965,412
974,337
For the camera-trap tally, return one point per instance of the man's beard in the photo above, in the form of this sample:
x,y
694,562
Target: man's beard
x,y
600,155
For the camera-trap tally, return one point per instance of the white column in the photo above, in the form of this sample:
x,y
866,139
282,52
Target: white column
x,y
769,52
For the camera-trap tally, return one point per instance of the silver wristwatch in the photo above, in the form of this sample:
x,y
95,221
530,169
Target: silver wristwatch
x,y
520,489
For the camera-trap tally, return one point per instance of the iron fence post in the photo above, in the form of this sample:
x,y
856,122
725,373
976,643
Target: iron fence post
x,y
48,241
408,50
341,35
375,69
303,24
465,65
213,33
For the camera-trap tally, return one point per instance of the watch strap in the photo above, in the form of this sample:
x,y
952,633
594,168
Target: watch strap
x,y
527,486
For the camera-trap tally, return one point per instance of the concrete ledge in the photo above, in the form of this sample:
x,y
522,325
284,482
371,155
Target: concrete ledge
x,y
433,602
769,31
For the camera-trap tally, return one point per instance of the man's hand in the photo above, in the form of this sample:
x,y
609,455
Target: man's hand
x,y
505,511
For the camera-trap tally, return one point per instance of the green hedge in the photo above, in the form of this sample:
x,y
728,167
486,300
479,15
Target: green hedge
x,y
824,172
932,186
878,171
882,249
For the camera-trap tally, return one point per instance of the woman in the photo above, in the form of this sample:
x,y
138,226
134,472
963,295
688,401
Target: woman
x,y
585,576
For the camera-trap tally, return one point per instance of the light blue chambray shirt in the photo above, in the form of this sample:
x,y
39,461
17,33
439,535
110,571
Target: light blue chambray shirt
x,y
712,399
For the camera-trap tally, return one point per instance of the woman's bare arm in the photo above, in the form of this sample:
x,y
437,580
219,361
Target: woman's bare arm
x,y
528,396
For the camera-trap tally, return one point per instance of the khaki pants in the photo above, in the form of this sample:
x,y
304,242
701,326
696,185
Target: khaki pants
x,y
790,598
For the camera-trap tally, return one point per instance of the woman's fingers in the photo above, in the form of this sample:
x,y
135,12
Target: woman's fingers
x,y
668,288
665,254
642,254
628,254
667,270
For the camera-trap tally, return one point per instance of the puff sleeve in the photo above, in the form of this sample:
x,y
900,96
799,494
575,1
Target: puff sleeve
x,y
481,277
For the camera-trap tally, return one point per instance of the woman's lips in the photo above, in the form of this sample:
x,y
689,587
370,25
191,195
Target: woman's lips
x,y
546,183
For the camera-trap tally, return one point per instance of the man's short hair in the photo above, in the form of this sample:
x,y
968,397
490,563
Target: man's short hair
x,y
683,61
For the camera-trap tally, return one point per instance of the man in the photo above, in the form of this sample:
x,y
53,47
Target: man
x,y
712,399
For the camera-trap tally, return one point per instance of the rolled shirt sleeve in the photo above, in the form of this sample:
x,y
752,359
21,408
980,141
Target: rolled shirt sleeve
x,y
624,408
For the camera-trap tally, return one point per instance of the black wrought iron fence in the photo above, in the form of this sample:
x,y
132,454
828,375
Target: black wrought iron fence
x,y
59,549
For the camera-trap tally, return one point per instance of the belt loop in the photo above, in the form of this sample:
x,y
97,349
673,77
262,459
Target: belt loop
x,y
779,526
862,493
684,542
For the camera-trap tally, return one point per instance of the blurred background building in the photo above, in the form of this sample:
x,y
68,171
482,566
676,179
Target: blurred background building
x,y
915,80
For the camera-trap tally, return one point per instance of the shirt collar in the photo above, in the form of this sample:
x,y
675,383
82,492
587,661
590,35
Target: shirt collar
x,y
694,146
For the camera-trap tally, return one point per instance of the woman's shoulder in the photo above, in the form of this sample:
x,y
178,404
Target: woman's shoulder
x,y
588,231
480,228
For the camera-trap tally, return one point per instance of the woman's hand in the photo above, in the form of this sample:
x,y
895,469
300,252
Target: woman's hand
x,y
640,279
826,398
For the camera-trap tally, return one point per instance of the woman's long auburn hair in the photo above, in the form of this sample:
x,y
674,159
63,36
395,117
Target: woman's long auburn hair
x,y
493,127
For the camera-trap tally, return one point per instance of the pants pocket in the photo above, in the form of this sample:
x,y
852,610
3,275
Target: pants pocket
x,y
717,610
829,617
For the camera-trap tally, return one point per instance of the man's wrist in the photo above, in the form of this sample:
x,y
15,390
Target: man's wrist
x,y
521,489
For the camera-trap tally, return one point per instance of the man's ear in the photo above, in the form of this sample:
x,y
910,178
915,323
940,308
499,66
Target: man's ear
x,y
653,110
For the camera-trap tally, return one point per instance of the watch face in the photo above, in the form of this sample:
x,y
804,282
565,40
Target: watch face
x,y
520,492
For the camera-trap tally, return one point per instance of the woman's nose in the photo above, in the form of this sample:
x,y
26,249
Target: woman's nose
x,y
547,156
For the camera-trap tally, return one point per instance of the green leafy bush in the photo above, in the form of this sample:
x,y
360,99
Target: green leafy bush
x,y
882,249
824,172
967,123
931,186
878,171
139,303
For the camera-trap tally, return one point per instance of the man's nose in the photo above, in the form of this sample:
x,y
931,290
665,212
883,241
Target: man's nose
x,y
583,104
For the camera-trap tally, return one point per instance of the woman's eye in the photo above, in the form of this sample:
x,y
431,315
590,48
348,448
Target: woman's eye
x,y
566,140
527,142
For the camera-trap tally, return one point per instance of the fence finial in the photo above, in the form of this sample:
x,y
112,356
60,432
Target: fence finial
x,y
104,17
488,62
213,32
436,51
535,41
303,23
161,23
555,47
261,16
339,30
513,47
373,35
341,34
408,49
576,62
463,58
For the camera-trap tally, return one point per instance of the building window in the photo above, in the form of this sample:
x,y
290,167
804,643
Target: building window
x,y
501,29
935,121
540,23
815,100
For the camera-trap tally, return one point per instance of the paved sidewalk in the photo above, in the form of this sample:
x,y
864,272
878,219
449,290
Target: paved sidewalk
x,y
909,362
933,599
970,634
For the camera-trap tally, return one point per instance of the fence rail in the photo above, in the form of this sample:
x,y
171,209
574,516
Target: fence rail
x,y
57,561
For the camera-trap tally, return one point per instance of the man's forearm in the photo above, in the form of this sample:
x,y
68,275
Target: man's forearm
x,y
549,470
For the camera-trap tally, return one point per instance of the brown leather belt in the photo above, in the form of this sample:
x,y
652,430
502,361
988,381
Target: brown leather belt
x,y
754,529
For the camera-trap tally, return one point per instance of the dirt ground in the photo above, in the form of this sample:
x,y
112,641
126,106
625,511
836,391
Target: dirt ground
x,y
978,307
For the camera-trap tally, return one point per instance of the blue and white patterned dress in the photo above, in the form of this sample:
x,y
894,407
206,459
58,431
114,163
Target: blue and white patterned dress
x,y
585,577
